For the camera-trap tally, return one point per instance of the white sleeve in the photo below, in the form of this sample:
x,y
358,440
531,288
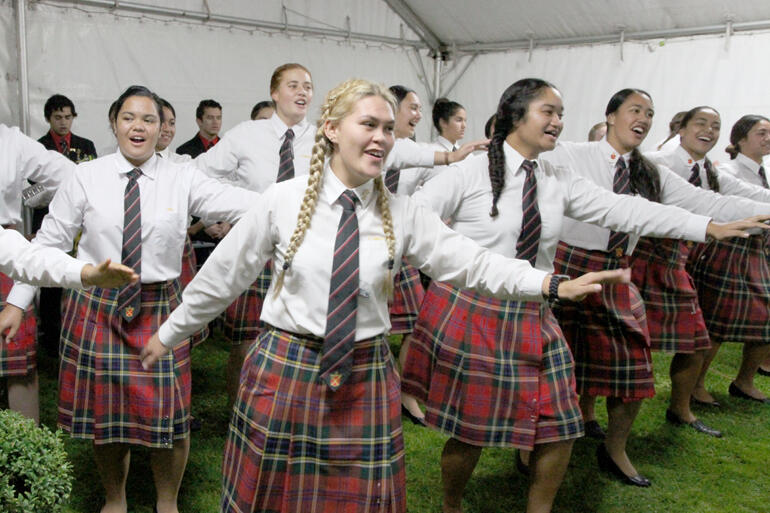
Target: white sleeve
x,y
211,199
446,255
444,193
35,264
47,168
221,159
407,153
729,184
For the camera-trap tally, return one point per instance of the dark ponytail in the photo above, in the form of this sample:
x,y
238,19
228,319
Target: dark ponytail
x,y
512,109
740,129
645,179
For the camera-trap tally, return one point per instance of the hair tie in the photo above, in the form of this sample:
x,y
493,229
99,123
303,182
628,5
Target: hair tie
x,y
286,265
391,263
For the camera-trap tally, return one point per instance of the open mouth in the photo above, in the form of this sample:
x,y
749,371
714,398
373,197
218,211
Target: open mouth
x,y
136,139
377,154
301,103
705,139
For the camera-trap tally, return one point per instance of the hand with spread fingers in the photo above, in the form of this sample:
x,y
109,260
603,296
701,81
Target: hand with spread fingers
x,y
591,283
743,228
107,275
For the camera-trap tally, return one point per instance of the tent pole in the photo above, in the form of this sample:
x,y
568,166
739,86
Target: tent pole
x,y
436,78
21,47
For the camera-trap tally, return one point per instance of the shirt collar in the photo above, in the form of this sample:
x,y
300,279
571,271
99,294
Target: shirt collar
x,y
57,139
332,187
514,159
149,167
685,157
164,153
611,153
445,143
280,127
747,162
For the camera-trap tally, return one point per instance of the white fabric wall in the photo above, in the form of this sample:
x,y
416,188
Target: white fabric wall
x,y
93,57
679,75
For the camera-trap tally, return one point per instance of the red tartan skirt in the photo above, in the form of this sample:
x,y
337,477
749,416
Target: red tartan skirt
x,y
189,266
408,294
241,318
104,394
492,372
18,358
295,446
674,318
732,278
607,332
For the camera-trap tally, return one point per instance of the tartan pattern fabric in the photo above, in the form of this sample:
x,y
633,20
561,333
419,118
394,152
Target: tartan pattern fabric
x,y
129,296
241,319
408,294
189,266
492,372
286,157
607,332
295,446
733,283
529,238
674,318
391,179
18,357
343,297
695,176
621,184
104,394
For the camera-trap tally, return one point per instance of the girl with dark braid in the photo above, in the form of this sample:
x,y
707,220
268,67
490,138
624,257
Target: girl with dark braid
x,y
498,373
608,334
311,431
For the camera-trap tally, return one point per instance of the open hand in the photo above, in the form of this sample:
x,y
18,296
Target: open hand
x,y
107,275
740,228
591,283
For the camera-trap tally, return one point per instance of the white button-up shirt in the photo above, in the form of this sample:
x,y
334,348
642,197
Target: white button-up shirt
x,y
596,161
35,264
22,159
743,168
415,160
464,194
301,305
93,199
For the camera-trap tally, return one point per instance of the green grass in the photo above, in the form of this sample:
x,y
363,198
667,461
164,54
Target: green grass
x,y
690,472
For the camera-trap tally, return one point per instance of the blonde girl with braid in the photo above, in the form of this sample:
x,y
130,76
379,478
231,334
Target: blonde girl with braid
x,y
301,439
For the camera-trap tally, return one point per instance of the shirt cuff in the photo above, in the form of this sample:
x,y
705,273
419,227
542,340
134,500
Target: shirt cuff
x,y
166,334
532,285
695,229
21,295
72,275
426,157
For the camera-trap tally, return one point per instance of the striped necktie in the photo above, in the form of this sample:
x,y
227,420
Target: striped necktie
x,y
529,238
391,179
620,185
286,157
337,350
65,148
763,176
695,176
129,297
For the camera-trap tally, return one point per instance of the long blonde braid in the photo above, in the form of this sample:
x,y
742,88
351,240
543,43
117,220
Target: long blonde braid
x,y
338,104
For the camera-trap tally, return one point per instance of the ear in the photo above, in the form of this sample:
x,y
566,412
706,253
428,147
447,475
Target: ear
x,y
611,119
331,131
199,122
274,97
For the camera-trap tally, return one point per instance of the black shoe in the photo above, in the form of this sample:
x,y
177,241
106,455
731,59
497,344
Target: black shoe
x,y
696,424
522,467
607,464
418,421
594,430
713,404
763,372
737,392
195,424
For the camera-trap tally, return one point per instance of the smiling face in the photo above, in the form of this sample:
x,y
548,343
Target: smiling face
x,y
362,141
167,129
408,115
293,95
630,123
454,129
756,143
540,127
701,133
136,127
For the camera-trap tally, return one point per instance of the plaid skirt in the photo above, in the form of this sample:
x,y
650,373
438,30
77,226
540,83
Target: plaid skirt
x,y
492,372
241,318
408,294
607,332
104,394
674,318
732,278
295,446
18,357
189,266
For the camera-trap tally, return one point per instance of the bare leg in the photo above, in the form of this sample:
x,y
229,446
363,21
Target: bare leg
x,y
23,395
548,466
753,355
112,462
233,371
684,372
408,401
765,365
458,460
167,470
588,407
700,393
621,418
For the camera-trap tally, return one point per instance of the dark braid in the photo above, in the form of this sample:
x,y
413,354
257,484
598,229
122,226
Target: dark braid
x,y
645,179
711,175
511,110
